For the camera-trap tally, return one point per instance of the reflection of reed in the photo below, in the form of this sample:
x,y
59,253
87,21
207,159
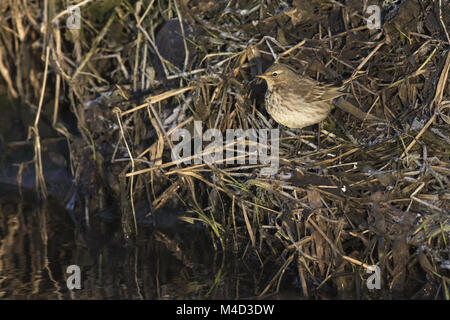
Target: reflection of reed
x,y
6,247
29,253
37,244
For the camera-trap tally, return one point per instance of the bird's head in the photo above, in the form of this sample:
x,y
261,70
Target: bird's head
x,y
279,75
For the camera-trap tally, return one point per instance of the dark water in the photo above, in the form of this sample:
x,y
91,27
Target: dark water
x,y
40,240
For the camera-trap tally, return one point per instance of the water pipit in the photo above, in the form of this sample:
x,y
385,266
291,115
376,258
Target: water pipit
x,y
297,101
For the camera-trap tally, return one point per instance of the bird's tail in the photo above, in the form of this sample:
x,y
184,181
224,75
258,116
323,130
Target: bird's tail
x,y
354,111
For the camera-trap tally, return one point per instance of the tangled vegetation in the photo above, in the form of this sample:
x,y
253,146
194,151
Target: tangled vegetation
x,y
368,194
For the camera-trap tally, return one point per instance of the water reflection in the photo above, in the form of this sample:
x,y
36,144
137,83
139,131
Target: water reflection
x,y
39,242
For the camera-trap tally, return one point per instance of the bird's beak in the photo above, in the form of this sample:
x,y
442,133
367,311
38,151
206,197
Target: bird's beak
x,y
262,76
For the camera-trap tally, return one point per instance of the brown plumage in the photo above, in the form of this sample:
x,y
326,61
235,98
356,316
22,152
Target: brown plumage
x,y
297,101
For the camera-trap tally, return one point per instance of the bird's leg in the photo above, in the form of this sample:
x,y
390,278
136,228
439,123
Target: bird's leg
x,y
299,140
319,128
280,128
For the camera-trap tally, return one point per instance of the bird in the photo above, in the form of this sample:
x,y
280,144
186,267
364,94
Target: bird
x,y
297,101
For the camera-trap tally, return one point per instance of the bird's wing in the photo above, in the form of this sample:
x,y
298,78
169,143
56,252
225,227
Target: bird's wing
x,y
315,92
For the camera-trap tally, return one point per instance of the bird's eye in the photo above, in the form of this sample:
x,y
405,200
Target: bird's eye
x,y
274,74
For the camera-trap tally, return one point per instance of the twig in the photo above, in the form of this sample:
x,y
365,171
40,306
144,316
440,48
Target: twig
x,y
159,97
